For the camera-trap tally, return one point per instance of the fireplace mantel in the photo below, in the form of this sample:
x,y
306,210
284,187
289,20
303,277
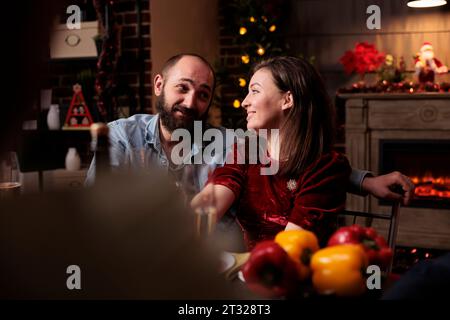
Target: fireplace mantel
x,y
394,96
374,117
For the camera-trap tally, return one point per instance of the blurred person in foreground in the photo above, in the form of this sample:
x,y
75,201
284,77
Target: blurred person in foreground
x,y
128,243
428,279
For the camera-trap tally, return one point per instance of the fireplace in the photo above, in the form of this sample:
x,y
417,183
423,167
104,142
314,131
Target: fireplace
x,y
409,133
426,162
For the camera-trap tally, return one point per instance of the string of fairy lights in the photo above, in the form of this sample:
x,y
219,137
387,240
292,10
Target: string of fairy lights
x,y
246,58
254,26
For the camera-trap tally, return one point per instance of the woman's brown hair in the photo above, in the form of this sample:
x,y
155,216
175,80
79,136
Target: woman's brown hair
x,y
308,130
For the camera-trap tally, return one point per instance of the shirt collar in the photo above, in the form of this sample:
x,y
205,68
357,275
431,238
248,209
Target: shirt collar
x,y
152,136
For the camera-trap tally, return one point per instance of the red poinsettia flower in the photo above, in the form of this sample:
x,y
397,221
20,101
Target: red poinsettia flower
x,y
364,58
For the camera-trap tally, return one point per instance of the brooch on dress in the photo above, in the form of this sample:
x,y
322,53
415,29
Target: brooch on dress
x,y
292,185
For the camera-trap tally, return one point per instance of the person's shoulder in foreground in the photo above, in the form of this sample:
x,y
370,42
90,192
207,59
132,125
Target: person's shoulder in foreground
x,y
428,279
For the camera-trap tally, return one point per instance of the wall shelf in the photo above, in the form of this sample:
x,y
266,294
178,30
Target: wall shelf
x,y
40,150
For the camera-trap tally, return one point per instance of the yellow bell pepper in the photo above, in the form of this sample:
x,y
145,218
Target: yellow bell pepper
x,y
300,245
339,270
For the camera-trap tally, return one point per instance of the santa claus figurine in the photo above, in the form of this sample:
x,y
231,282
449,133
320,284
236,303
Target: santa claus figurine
x,y
427,65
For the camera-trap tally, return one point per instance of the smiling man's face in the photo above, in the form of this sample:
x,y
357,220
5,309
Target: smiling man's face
x,y
184,93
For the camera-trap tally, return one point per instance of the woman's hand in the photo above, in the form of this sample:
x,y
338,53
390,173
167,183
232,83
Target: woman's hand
x,y
214,195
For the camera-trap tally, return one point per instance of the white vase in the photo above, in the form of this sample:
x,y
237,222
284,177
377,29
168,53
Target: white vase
x,y
53,117
73,162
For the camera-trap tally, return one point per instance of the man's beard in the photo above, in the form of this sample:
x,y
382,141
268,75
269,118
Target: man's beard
x,y
168,118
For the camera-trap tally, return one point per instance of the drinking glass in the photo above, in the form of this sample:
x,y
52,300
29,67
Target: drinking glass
x,y
186,182
206,215
9,175
136,159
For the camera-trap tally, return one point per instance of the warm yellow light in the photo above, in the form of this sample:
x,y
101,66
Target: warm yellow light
x,y
245,59
272,28
242,31
426,3
242,82
260,51
236,103
252,19
264,18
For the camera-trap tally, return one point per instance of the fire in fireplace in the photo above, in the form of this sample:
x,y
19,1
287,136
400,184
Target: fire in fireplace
x,y
431,187
427,162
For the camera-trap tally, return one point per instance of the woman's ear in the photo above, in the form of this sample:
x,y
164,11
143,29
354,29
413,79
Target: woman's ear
x,y
288,101
158,84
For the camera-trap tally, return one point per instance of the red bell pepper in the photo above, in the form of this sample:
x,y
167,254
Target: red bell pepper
x,y
270,271
374,245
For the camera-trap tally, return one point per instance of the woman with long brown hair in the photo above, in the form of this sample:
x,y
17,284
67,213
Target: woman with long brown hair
x,y
288,94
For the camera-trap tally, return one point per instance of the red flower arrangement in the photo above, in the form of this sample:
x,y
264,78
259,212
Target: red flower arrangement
x,y
364,58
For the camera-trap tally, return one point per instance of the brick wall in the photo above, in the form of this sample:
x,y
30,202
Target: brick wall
x,y
128,68
63,74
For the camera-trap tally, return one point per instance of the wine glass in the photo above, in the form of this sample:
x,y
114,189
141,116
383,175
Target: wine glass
x,y
135,159
189,185
186,182
206,210
10,185
206,215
